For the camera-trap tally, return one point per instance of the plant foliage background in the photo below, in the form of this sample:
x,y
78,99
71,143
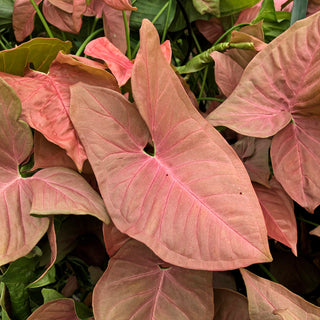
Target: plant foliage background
x,y
159,159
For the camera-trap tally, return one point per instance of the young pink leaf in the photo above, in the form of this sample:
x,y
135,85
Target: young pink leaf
x,y
278,212
65,20
315,231
62,309
230,305
120,4
46,97
268,299
137,284
23,18
226,71
291,105
189,189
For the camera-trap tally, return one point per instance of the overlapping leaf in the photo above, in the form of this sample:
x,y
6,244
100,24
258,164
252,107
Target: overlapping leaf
x,y
137,284
19,197
187,202
290,102
269,301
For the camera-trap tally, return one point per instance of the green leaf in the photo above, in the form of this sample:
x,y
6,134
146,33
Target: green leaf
x,y
149,10
40,52
51,294
274,23
207,6
16,278
48,278
4,315
299,10
6,12
228,7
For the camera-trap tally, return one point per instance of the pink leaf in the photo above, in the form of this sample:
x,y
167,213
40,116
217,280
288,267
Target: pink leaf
x,y
65,20
168,200
291,105
62,309
230,305
295,159
211,29
226,71
137,284
316,231
113,238
46,98
20,232
278,212
268,299
313,7
120,4
63,191
23,18
166,50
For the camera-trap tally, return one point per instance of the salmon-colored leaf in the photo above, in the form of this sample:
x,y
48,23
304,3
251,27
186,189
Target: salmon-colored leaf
x,y
230,305
226,71
278,212
120,4
268,300
290,103
211,29
62,309
315,231
163,195
137,284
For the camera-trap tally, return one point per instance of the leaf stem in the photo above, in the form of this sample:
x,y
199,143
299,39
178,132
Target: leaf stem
x,y
95,21
90,37
231,29
167,22
210,99
270,275
43,20
203,81
153,21
3,45
308,221
126,27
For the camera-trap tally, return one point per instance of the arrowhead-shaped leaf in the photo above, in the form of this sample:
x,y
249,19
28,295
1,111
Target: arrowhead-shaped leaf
x,y
137,284
120,4
268,300
278,212
277,92
189,194
62,309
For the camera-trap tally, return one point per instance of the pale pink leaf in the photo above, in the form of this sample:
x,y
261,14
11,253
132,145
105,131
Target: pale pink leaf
x,y
226,71
46,98
316,231
168,200
64,20
118,63
23,18
20,232
295,155
113,238
62,309
268,299
63,191
114,27
120,4
139,285
64,5
166,50
278,212
230,305
313,7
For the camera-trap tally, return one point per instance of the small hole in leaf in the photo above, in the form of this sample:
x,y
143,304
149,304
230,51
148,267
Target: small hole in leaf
x,y
149,149
240,193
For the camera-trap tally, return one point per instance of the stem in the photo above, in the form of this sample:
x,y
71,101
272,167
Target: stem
x,y
3,45
167,22
270,275
126,27
196,41
83,45
43,20
94,24
203,81
153,21
210,99
231,29
308,221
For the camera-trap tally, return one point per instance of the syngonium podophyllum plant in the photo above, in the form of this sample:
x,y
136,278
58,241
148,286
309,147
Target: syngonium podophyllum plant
x,y
176,200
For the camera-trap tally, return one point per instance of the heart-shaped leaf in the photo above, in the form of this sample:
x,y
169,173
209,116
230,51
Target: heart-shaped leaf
x,y
290,104
269,300
137,284
120,4
185,195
